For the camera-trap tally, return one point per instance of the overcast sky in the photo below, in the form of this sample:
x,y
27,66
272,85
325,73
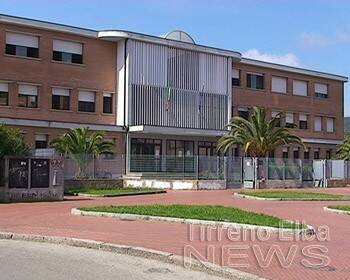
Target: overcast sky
x,y
311,34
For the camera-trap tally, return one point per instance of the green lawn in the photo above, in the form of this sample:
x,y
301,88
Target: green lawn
x,y
210,213
113,192
340,207
290,195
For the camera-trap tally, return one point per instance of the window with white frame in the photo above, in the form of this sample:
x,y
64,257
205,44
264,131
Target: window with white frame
x,y
289,120
321,90
60,98
330,124
27,96
107,103
279,84
299,88
303,121
275,114
236,77
86,101
22,45
40,141
4,94
318,124
65,51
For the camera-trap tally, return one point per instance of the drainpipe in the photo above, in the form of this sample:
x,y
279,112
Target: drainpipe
x,y
126,140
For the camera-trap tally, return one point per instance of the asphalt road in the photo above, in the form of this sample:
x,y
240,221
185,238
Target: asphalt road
x,y
22,260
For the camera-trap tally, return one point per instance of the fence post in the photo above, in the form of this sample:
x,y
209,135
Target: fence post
x,y
93,166
197,167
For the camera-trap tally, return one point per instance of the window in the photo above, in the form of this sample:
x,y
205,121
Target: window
x,y
255,81
4,94
299,88
296,153
285,153
243,113
279,84
306,154
321,90
318,124
290,120
40,141
236,77
60,98
272,154
22,45
69,52
86,101
328,154
330,125
206,148
302,121
179,148
316,154
27,96
107,103
273,115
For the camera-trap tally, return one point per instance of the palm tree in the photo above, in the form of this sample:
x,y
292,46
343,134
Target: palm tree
x,y
257,136
76,144
343,151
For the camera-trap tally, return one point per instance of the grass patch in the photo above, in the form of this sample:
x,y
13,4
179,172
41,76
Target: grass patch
x,y
340,207
199,212
290,195
112,191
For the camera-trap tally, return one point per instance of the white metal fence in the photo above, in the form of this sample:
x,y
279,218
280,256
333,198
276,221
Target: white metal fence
x,y
235,169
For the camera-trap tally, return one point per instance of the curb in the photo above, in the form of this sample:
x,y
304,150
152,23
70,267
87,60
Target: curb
x,y
118,195
337,211
75,211
246,196
141,252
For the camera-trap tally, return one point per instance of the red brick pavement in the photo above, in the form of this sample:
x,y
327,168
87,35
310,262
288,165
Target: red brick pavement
x,y
55,219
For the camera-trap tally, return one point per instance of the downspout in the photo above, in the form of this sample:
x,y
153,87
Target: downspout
x,y
125,125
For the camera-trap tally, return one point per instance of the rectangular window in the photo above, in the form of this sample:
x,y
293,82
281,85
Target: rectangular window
x,y
40,141
328,154
86,101
296,153
273,115
321,90
318,124
243,113
330,124
302,121
290,120
27,96
60,99
299,87
4,94
255,81
69,52
236,77
279,84
285,153
107,103
306,154
22,45
316,154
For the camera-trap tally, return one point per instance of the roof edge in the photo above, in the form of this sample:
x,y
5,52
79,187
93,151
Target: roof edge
x,y
293,69
115,35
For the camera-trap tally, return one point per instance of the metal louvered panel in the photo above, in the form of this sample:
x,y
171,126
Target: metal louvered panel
x,y
197,83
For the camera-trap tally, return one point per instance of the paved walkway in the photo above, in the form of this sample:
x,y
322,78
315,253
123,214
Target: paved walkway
x,y
55,219
40,261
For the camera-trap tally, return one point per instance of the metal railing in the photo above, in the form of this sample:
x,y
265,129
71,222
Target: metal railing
x,y
203,168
